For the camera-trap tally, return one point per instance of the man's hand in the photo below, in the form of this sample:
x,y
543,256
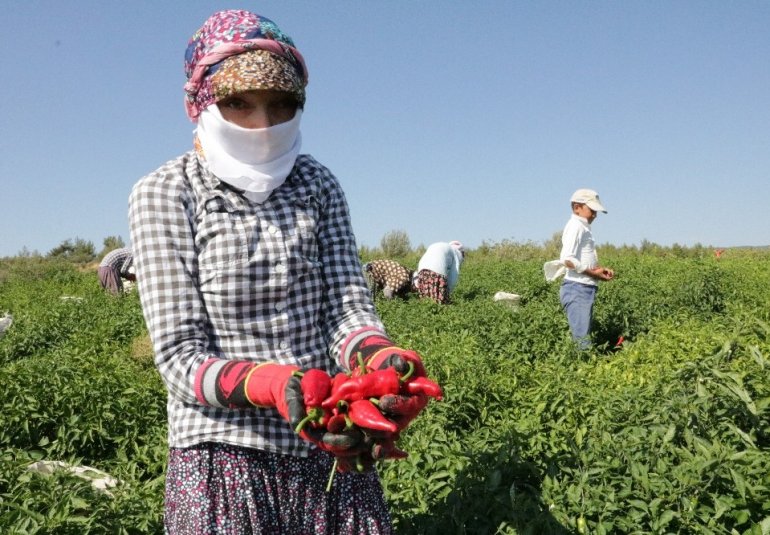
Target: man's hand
x,y
601,273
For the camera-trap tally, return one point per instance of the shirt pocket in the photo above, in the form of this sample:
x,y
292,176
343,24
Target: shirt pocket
x,y
306,222
221,237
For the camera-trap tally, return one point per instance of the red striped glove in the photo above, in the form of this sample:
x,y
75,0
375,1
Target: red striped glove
x,y
296,395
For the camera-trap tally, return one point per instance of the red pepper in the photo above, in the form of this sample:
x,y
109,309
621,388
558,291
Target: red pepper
x,y
313,416
388,450
403,405
346,443
316,386
371,385
336,423
423,385
365,414
361,367
337,382
323,421
402,409
361,370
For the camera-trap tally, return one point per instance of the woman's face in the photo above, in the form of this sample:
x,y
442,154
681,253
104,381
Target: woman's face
x,y
260,108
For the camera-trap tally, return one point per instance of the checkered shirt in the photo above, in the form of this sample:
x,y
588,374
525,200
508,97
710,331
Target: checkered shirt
x,y
221,277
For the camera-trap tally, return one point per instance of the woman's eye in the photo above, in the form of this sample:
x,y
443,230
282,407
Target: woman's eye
x,y
286,105
234,104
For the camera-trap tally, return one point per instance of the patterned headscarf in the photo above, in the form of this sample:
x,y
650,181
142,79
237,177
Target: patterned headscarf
x,y
237,51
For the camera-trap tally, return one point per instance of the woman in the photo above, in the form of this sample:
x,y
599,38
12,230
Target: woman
x,y
248,272
438,271
392,278
116,265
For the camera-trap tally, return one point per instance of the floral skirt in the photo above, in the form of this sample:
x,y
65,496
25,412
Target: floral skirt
x,y
223,489
432,285
109,278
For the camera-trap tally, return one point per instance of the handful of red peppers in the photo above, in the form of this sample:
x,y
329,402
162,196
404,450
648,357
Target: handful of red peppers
x,y
364,411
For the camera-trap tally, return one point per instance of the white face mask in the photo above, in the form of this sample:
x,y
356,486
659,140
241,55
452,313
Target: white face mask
x,y
256,160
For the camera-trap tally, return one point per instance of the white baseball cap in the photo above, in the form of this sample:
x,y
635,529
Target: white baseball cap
x,y
590,198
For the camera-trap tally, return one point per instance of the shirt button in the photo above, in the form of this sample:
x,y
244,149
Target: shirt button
x,y
280,268
272,229
280,306
284,344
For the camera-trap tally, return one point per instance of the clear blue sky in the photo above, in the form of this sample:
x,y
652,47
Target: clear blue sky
x,y
445,119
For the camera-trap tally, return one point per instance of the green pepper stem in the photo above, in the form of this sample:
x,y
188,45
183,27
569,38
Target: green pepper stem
x,y
313,414
331,476
410,371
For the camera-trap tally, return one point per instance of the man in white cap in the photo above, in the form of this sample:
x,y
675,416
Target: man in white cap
x,y
578,254
438,270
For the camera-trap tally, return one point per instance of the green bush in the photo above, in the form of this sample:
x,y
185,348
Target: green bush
x,y
395,244
668,432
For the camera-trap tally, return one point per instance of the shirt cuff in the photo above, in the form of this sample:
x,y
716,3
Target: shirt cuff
x,y
579,267
365,340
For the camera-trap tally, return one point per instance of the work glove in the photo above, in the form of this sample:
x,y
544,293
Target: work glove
x,y
378,352
279,385
296,395
375,354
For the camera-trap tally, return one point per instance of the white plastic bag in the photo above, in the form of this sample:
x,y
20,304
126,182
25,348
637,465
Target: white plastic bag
x,y
553,270
512,300
101,481
5,322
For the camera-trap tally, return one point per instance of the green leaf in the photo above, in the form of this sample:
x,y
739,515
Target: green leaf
x,y
665,518
759,358
742,434
670,433
739,482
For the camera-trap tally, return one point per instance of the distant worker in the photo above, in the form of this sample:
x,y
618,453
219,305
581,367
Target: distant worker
x,y
389,276
578,255
116,265
438,271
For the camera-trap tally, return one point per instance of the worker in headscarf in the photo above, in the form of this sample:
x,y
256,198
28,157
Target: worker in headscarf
x,y
393,278
116,266
249,278
438,271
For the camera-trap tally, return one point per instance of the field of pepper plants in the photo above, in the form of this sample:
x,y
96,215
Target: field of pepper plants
x,y
663,426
